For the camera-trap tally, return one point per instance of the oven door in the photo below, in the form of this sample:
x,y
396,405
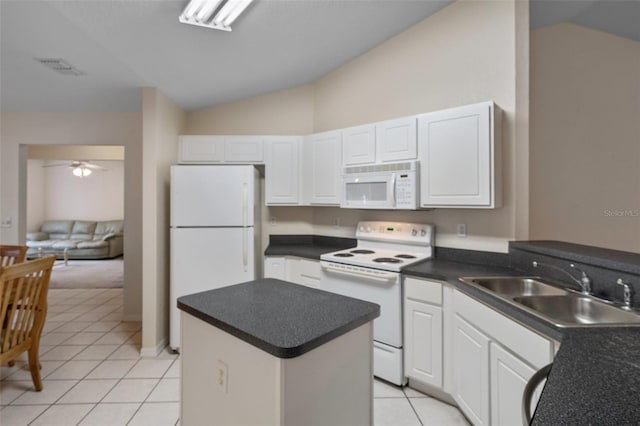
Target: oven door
x,y
369,191
373,286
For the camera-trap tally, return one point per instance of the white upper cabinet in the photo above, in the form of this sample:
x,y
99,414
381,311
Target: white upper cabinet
x,y
322,168
282,170
359,145
459,154
201,149
244,149
221,149
396,140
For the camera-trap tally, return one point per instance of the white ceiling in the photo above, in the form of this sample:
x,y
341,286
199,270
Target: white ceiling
x,y
128,44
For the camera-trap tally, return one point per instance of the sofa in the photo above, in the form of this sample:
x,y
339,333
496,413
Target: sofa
x,y
77,239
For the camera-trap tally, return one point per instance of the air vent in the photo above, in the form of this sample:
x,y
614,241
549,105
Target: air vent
x,y
60,66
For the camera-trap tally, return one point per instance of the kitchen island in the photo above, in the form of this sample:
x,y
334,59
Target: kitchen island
x,y
272,352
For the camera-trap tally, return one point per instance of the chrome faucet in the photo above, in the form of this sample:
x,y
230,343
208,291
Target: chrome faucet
x,y
628,294
584,282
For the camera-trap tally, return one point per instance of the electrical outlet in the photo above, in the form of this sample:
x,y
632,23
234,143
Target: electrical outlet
x,y
222,377
273,221
462,229
6,222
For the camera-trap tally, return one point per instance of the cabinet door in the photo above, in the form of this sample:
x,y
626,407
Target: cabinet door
x,y
244,149
471,371
201,149
322,168
509,376
305,272
457,157
282,171
396,140
423,342
359,145
275,267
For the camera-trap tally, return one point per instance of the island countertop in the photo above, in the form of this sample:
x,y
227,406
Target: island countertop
x,y
281,318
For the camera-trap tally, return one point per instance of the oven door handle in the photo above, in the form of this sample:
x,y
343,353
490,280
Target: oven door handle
x,y
382,276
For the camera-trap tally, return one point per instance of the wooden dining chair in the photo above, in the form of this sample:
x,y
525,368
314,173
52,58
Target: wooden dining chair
x,y
23,307
12,254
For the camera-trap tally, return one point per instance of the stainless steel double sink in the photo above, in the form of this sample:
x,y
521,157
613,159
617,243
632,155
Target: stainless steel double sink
x,y
560,306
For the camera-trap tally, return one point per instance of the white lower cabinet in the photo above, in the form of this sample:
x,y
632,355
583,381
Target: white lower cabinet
x,y
461,350
509,376
423,332
304,271
494,357
274,267
471,371
293,269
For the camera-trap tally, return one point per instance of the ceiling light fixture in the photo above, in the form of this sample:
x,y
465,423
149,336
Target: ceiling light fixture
x,y
81,171
215,14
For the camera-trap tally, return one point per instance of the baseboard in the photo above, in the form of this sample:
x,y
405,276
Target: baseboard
x,y
153,352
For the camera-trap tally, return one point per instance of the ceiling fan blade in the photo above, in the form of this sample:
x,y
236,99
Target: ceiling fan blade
x,y
56,165
94,167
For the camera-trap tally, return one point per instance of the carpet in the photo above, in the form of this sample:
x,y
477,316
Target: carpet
x,y
107,273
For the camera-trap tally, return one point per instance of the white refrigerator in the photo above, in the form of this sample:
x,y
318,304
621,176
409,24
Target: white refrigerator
x,y
214,237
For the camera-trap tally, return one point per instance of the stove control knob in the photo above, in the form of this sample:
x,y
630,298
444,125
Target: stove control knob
x,y
361,228
368,229
423,232
414,232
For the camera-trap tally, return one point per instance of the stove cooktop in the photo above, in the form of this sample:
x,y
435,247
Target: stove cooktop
x,y
376,258
387,246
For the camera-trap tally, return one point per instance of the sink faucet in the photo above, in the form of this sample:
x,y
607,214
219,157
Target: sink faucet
x,y
584,282
628,294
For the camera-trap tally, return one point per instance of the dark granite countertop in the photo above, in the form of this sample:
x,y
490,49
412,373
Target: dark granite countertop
x,y
595,379
622,261
307,246
450,271
281,318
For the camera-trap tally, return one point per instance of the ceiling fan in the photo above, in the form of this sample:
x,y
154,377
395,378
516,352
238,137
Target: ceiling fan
x,y
80,168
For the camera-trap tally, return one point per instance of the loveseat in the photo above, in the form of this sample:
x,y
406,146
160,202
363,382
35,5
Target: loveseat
x,y
81,239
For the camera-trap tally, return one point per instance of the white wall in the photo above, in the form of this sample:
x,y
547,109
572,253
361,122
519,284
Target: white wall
x,y
99,196
585,137
163,121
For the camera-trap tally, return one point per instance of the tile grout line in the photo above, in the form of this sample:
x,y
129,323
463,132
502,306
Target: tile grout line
x,y
414,410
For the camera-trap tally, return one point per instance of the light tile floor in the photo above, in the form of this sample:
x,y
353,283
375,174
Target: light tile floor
x,y
93,375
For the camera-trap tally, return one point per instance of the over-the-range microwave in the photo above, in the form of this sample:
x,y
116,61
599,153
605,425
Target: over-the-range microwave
x,y
391,186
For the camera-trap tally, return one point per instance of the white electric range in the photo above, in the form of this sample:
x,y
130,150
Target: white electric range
x,y
371,272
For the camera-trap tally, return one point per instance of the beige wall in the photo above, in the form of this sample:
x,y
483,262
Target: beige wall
x,y
463,54
585,137
285,112
35,194
163,121
20,130
99,196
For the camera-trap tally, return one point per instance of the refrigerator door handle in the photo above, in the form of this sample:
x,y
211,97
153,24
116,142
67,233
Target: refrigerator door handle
x,y
245,213
245,250
245,200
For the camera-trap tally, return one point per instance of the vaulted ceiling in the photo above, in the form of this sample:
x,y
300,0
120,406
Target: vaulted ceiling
x,y
121,46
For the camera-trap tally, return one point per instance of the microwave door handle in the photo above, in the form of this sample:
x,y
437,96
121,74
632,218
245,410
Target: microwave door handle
x,y
393,190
